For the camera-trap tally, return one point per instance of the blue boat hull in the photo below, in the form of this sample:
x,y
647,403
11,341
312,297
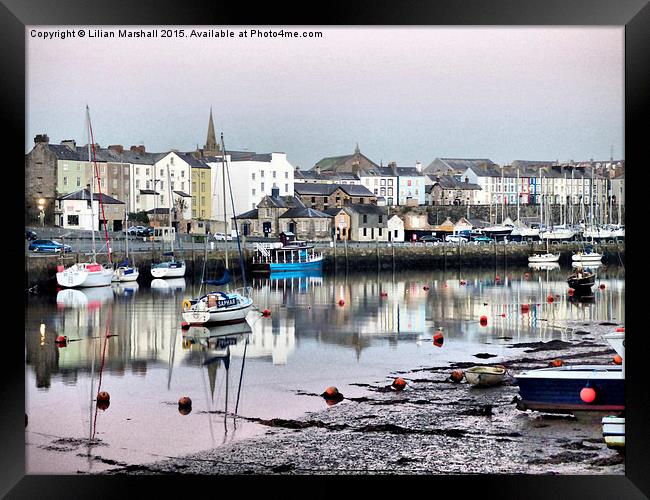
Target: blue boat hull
x,y
289,267
563,395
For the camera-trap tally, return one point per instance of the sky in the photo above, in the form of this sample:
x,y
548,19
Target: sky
x,y
403,94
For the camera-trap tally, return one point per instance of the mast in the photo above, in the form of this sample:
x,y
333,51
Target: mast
x,y
503,196
517,189
618,202
234,218
171,198
225,218
541,198
99,188
92,182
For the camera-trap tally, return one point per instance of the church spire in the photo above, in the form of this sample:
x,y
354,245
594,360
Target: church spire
x,y
356,149
211,141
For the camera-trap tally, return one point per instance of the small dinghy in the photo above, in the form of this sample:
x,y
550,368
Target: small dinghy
x,y
485,376
614,432
582,281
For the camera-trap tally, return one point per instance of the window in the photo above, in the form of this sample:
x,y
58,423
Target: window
x,y
262,173
182,174
274,174
162,199
65,181
376,182
381,219
286,175
380,231
162,172
253,192
365,231
182,186
73,220
202,200
194,186
137,170
365,219
137,198
78,182
313,199
137,183
324,199
408,183
390,191
390,182
262,185
171,160
286,188
253,176
376,191
395,233
383,182
361,200
147,172
65,166
162,185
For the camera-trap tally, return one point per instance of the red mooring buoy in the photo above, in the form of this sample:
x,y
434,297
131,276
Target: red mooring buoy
x,y
438,339
399,384
483,320
341,302
588,394
266,312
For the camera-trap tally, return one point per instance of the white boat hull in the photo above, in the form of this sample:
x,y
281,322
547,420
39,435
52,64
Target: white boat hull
x,y
558,234
120,275
214,315
79,277
614,431
592,257
547,257
168,272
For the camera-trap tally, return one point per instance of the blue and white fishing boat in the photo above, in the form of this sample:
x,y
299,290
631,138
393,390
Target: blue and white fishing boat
x,y
562,389
287,256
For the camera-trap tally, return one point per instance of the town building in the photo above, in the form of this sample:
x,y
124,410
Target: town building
x,y
395,228
368,222
75,211
340,222
324,196
329,177
411,185
451,190
382,181
276,214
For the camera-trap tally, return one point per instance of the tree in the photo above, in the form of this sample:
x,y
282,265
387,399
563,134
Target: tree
x,y
139,217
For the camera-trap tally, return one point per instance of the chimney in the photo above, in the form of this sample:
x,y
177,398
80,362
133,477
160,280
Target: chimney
x,y
418,165
275,192
118,148
466,179
41,138
297,168
317,170
138,149
70,144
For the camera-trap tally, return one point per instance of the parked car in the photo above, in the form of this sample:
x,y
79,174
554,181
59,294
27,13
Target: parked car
x,y
482,239
144,231
49,246
30,235
454,238
222,237
430,238
135,230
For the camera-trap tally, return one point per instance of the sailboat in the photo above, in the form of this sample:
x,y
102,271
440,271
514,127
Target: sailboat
x,y
544,257
125,272
587,255
171,268
220,306
88,274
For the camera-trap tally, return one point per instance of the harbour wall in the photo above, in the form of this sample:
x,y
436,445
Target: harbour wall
x,y
41,269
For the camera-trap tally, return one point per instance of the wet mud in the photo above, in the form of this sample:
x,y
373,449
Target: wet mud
x,y
433,426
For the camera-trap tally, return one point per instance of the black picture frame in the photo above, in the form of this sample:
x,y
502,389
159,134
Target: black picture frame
x,y
633,14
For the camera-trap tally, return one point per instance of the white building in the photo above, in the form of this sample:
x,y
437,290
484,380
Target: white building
x,y
382,181
74,211
252,177
395,229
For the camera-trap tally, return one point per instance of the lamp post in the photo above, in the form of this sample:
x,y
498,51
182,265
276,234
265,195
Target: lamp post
x,y
41,208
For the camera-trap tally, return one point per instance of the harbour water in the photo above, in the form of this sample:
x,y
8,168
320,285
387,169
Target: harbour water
x,y
345,330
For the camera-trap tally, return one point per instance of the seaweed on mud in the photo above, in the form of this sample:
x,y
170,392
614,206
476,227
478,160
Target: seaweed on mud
x,y
484,355
563,457
480,411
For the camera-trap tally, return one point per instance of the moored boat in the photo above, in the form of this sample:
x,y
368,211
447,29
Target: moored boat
x,y
614,432
578,388
286,257
218,307
84,274
587,256
544,257
124,272
485,376
169,269
582,281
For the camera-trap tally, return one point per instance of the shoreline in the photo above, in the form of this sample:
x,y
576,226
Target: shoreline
x,y
433,426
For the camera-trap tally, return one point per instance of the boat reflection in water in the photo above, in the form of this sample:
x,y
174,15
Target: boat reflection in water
x,y
294,280
589,266
125,288
544,266
84,298
215,338
169,285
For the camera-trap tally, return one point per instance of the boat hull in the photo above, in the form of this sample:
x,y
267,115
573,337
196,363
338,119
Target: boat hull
x,y
544,258
485,377
562,395
614,432
586,258
124,274
289,267
168,272
81,278
233,314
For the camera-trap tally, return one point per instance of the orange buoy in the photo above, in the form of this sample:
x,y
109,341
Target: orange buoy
x,y
332,395
556,362
103,396
103,405
438,339
618,360
184,405
587,394
483,320
399,384
341,302
266,312
457,375
549,298
61,341
571,291
331,391
602,286
620,329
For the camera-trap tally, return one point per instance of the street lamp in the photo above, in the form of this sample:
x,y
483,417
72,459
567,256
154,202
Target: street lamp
x,y
41,208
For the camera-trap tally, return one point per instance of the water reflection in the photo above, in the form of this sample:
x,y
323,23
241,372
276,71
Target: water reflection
x,y
387,321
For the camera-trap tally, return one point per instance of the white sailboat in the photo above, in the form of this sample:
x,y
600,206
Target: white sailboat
x,y
88,274
219,306
125,272
538,258
171,268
